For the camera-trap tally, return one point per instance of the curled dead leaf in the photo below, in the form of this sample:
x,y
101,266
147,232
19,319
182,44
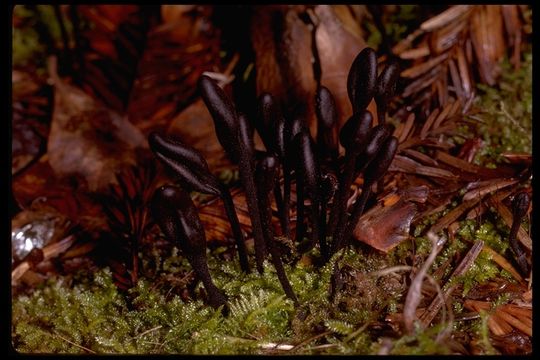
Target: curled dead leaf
x,y
89,140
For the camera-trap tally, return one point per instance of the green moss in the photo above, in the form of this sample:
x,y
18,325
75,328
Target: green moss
x,y
27,46
482,331
423,342
151,318
25,39
94,315
398,22
506,113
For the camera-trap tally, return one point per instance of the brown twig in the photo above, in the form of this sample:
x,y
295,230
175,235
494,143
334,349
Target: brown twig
x,y
414,295
460,270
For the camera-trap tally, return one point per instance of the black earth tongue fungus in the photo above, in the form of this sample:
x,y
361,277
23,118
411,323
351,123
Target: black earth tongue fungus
x,y
236,137
328,187
362,79
185,162
386,88
266,117
325,108
247,174
271,129
353,137
377,136
266,173
280,140
290,129
520,206
308,173
374,171
223,113
178,219
192,168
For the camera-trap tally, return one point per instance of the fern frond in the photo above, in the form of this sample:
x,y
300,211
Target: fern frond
x,y
339,327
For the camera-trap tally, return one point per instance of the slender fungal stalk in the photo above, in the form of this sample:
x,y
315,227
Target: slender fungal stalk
x,y
375,170
236,229
300,228
385,89
266,175
246,166
353,137
520,206
362,79
191,167
178,219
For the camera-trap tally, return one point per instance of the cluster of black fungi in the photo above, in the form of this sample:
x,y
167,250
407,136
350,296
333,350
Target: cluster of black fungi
x,y
321,175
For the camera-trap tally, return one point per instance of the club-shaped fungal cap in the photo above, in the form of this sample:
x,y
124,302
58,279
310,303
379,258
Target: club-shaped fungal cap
x,y
380,164
223,113
178,219
354,132
520,205
325,107
268,116
177,150
377,137
185,162
266,173
362,79
279,137
386,82
292,129
308,163
329,185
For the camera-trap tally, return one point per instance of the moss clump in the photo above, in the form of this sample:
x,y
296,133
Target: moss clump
x,y
25,44
28,46
98,318
506,113
398,21
421,343
495,235
94,316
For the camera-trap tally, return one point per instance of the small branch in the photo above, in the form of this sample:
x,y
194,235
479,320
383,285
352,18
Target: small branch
x,y
148,331
514,121
308,340
274,346
74,344
414,295
461,269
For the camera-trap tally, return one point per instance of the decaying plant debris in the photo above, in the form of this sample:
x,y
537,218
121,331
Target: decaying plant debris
x,y
381,193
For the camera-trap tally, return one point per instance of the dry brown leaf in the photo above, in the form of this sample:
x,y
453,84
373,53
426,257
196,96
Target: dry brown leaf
x,y
39,186
194,126
282,43
482,188
408,165
487,35
387,223
385,227
446,17
89,140
337,47
465,167
453,215
176,53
